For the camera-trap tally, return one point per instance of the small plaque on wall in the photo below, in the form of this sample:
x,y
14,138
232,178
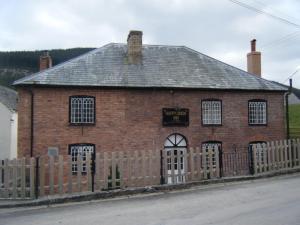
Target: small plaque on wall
x,y
52,151
175,117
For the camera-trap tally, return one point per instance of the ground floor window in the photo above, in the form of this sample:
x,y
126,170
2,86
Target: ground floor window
x,y
211,145
259,154
82,150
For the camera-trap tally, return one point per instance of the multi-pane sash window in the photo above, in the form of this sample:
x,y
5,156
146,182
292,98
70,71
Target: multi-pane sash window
x,y
80,150
257,112
211,145
212,112
82,109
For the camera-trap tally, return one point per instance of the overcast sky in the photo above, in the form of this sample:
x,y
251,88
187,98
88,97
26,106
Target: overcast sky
x,y
218,28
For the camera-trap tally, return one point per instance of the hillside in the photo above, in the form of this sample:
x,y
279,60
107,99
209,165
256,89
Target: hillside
x,y
294,115
17,64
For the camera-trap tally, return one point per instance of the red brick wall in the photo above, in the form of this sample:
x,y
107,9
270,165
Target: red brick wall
x,y
128,119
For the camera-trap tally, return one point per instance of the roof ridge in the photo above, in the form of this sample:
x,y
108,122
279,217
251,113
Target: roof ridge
x,y
175,46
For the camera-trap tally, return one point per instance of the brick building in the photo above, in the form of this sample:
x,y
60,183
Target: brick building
x,y
134,96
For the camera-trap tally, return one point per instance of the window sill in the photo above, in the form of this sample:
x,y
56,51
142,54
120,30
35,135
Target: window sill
x,y
257,125
81,124
212,125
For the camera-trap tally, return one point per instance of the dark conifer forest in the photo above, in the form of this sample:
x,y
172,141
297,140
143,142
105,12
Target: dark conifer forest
x,y
17,64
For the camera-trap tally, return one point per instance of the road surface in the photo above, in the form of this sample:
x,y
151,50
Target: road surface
x,y
273,201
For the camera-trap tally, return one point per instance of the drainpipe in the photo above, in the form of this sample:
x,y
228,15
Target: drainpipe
x,y
287,109
32,124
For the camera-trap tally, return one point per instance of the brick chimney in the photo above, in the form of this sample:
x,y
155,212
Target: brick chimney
x,y
134,45
45,61
254,60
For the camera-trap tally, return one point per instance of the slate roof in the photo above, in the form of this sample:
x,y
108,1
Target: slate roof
x,y
9,98
161,66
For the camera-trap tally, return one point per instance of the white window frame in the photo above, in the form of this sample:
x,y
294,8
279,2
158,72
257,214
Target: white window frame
x,y
83,150
82,110
211,112
257,112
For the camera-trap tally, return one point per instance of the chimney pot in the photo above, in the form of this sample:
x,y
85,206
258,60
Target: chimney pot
x,y
254,60
253,45
134,46
45,61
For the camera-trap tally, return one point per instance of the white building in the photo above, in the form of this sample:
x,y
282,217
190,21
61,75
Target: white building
x,y
8,123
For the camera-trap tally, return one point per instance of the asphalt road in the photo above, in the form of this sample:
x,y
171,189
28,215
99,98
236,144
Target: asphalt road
x,y
273,201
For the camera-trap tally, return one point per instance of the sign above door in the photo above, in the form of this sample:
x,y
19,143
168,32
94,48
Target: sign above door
x,y
175,117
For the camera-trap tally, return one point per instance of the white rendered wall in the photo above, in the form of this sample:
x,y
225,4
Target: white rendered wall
x,y
5,131
14,135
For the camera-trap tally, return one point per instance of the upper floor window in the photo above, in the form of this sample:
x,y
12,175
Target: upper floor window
x,y
82,110
257,112
211,112
82,150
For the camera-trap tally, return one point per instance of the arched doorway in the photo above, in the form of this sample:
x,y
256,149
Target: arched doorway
x,y
175,148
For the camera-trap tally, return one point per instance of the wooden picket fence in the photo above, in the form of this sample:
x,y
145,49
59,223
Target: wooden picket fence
x,y
127,169
278,155
49,175
55,175
17,178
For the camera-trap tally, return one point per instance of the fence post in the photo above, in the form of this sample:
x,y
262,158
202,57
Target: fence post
x,y
88,161
23,177
70,174
172,166
269,159
79,172
204,163
198,162
273,155
14,178
6,178
51,174
298,151
281,149
105,170
293,149
121,168
218,174
42,175
113,170
254,159
32,178
60,174
264,151
290,153
93,170
162,180
191,161
36,181
286,163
